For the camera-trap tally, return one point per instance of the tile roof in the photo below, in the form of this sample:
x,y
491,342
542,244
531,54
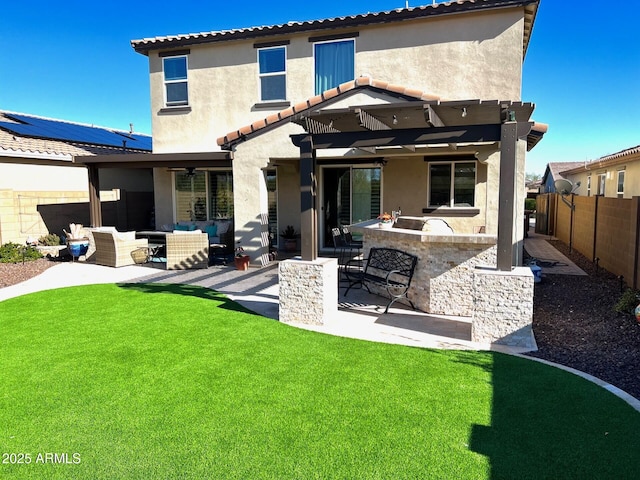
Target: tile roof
x,y
628,154
22,146
558,168
272,121
453,7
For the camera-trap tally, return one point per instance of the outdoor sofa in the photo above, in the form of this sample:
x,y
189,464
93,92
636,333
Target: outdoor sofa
x,y
187,249
115,249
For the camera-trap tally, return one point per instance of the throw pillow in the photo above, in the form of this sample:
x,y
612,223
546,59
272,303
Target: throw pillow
x,y
223,226
212,230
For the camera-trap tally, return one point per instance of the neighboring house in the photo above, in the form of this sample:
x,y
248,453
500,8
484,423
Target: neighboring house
x,y
616,175
553,173
42,190
440,79
533,188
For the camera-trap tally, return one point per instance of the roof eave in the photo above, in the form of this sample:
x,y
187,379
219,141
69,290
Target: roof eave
x,y
146,45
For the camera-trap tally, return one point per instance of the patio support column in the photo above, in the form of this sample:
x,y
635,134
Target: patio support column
x,y
308,186
95,209
507,194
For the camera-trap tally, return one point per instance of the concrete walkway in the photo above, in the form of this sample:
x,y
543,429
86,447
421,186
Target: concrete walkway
x,y
548,258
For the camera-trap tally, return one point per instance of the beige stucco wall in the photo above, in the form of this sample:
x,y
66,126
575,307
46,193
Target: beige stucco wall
x,y
26,177
459,57
631,178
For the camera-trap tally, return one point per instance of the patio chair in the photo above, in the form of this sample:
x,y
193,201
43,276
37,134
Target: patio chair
x,y
114,249
187,250
346,234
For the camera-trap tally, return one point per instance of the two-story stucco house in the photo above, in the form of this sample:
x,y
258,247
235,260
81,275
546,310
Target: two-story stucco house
x,y
416,96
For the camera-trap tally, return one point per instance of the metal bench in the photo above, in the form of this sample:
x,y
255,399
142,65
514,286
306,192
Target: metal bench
x,y
386,267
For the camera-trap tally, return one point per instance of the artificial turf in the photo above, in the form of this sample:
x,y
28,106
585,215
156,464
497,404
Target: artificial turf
x,y
176,381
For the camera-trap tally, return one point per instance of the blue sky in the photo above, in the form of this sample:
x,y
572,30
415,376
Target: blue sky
x,y
72,60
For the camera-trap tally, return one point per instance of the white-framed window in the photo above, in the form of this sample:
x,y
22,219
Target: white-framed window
x,y
589,186
203,195
334,63
602,177
175,81
620,183
452,184
272,73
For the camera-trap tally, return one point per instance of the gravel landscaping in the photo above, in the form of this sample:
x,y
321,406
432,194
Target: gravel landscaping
x,y
12,273
575,324
574,320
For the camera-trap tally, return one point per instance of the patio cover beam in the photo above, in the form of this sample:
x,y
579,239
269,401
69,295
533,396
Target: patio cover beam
x,y
511,131
158,160
308,189
95,207
401,137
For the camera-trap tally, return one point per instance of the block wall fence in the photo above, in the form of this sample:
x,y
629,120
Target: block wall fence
x,y
605,230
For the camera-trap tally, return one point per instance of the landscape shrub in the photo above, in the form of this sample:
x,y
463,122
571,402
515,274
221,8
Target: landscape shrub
x,y
49,240
14,253
529,203
628,301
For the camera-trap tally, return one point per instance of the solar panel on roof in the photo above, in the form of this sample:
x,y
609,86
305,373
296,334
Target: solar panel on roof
x,y
42,128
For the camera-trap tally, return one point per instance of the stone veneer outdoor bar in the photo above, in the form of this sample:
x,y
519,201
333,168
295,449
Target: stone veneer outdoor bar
x,y
443,282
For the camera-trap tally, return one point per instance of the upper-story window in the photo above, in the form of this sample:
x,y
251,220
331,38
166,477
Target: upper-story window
x,y
175,81
334,63
272,72
452,184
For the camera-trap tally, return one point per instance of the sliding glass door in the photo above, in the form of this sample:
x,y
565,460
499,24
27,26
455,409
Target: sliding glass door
x,y
349,195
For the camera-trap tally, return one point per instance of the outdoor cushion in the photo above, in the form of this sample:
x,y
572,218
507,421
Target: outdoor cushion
x,y
202,225
211,230
125,236
184,227
223,226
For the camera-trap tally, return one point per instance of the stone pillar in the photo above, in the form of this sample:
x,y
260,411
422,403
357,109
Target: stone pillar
x,y
308,290
503,307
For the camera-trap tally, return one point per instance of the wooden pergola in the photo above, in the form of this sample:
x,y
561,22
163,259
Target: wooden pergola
x,y
388,129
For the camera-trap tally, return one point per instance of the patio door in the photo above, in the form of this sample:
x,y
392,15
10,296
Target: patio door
x,y
349,195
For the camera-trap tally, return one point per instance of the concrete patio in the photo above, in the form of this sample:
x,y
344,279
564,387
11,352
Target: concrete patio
x,y
360,315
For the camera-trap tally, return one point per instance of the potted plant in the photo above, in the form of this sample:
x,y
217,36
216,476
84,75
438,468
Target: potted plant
x,y
77,241
386,220
290,235
241,259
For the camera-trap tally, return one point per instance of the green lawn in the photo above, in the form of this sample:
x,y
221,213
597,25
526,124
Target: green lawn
x,y
175,381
